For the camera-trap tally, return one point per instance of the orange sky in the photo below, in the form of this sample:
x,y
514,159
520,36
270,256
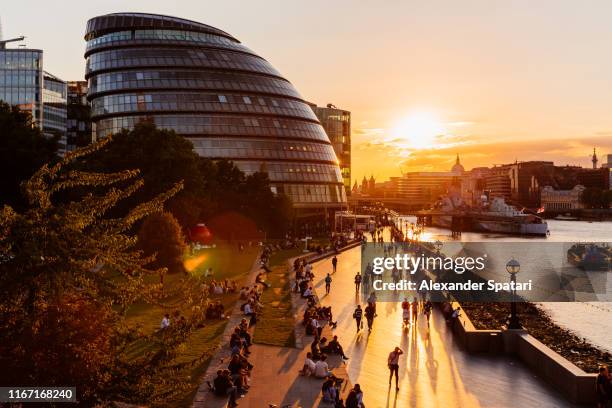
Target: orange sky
x,y
511,80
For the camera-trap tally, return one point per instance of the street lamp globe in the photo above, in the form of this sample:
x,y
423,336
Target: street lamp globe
x,y
513,266
438,244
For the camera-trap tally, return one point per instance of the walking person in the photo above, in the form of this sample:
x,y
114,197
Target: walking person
x,y
328,281
370,313
427,310
415,310
393,363
357,315
334,263
357,281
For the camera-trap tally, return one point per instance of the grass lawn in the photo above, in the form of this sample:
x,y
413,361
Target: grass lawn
x,y
275,325
226,262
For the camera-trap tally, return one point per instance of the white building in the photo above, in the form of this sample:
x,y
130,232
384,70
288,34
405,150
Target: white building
x,y
559,200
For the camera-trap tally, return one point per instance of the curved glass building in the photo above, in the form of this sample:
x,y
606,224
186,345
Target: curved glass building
x,y
205,85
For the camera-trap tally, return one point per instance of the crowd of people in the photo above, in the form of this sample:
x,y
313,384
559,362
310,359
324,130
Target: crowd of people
x,y
233,382
315,318
214,287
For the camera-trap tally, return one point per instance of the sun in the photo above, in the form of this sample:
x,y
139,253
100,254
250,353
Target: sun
x,y
418,130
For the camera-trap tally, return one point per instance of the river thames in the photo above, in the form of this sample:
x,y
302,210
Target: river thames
x,y
591,320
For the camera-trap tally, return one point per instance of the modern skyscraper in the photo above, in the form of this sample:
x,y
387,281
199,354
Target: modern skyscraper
x,y
24,83
337,125
204,84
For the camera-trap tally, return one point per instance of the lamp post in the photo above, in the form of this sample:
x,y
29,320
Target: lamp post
x,y
513,267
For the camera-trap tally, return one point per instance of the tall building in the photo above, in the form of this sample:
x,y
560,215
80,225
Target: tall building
x,y
24,83
204,84
337,125
78,131
54,95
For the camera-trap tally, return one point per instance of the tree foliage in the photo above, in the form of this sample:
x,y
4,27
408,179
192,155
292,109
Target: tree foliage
x,y
212,187
69,272
596,197
23,149
160,236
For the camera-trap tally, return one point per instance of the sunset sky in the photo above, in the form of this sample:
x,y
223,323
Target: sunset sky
x,y
492,81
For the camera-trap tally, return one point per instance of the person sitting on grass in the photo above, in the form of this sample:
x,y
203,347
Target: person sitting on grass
x,y
165,323
223,386
309,366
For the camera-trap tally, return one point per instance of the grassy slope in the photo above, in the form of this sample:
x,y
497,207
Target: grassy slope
x,y
226,262
276,324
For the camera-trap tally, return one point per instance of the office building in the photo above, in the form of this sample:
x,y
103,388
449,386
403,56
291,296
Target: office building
x,y
204,84
24,83
337,125
78,132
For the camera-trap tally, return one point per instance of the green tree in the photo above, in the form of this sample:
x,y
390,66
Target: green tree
x,y
593,197
163,158
160,236
23,149
68,274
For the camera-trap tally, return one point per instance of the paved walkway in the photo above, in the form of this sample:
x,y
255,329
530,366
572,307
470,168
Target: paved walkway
x,y
274,378
434,370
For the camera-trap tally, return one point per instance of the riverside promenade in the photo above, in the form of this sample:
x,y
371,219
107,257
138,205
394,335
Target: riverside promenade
x,y
434,370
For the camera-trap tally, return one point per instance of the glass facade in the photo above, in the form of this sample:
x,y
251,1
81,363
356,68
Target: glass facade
x,y
337,125
21,79
205,85
24,84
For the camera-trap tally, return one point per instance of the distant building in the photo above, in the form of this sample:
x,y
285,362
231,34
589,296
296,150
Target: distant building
x,y
525,181
55,113
608,165
78,132
24,83
423,188
337,125
560,200
497,182
594,178
473,185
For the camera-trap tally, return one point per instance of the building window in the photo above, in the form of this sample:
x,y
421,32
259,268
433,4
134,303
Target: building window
x,y
246,100
222,99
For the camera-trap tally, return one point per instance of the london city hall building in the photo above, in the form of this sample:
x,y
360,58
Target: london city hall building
x,y
204,84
